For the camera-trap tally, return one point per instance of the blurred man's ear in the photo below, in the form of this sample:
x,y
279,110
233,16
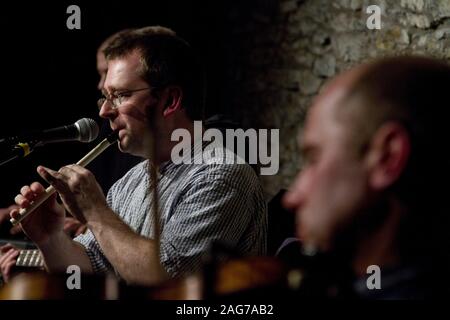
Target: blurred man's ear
x,y
388,155
173,95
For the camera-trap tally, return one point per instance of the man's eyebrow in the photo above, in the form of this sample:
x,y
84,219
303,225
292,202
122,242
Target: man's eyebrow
x,y
118,91
112,90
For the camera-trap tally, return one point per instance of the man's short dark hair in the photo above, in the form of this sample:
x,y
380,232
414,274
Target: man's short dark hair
x,y
166,60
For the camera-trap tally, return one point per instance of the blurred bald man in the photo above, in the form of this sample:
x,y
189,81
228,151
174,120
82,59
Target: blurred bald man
x,y
372,190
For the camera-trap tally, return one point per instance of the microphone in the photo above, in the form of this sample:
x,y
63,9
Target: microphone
x,y
84,130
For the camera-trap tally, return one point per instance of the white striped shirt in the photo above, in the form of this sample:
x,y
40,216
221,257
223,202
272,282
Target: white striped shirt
x,y
199,204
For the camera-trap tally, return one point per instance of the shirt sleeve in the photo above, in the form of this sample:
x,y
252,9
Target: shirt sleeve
x,y
216,207
98,260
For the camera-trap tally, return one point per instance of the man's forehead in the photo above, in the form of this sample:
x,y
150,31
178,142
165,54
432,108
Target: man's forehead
x,y
338,87
324,107
129,63
321,115
344,82
122,71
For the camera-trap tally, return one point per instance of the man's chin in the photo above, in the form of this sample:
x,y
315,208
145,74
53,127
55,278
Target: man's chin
x,y
130,149
314,242
123,146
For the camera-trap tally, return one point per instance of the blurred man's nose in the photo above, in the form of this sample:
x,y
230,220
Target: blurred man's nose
x,y
293,199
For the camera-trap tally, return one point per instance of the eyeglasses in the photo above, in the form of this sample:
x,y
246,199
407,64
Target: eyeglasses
x,y
117,99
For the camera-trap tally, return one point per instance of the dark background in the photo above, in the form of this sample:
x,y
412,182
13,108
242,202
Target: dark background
x,y
49,73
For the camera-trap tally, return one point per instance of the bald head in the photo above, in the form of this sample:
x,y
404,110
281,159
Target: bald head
x,y
394,112
411,91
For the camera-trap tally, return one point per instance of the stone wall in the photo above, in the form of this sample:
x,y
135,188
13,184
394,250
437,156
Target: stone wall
x,y
282,51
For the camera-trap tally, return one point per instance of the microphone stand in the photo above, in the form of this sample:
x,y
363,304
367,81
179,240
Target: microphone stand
x,y
19,150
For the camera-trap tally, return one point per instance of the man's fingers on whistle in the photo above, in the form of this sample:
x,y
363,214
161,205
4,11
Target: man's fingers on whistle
x,y
79,169
15,214
37,188
48,174
68,174
26,192
21,201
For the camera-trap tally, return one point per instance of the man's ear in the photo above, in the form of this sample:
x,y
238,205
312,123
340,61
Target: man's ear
x,y
173,97
388,155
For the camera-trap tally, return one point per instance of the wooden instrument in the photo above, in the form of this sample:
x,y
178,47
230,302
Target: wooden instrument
x,y
39,285
237,277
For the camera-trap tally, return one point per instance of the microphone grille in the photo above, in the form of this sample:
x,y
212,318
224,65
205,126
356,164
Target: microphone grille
x,y
88,129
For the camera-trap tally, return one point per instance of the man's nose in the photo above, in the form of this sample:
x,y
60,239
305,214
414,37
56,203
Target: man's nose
x,y
106,111
293,199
